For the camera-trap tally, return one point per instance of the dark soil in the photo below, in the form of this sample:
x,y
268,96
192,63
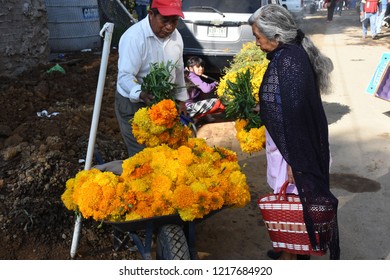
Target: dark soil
x,y
38,155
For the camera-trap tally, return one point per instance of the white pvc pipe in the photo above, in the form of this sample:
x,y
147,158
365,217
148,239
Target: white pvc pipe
x,y
107,30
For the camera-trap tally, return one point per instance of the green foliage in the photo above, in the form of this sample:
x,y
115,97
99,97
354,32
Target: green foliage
x,y
158,81
241,107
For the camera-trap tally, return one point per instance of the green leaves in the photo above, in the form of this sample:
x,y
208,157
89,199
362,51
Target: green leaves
x,y
243,102
158,81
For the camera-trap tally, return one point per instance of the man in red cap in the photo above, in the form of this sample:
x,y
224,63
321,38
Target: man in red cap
x,y
152,40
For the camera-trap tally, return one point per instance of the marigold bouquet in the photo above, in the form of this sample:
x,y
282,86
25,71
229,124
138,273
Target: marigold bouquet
x,y
191,181
160,124
239,89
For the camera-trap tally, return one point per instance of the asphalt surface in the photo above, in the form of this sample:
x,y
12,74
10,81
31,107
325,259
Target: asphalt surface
x,y
360,142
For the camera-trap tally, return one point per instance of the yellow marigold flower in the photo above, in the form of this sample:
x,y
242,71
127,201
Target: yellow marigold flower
x,y
187,214
67,196
240,124
238,193
252,140
132,216
198,186
141,118
185,155
156,129
139,186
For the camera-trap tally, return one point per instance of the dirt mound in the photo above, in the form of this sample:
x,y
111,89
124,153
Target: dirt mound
x,y
40,151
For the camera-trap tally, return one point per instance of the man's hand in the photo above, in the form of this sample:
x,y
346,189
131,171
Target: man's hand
x,y
146,97
182,108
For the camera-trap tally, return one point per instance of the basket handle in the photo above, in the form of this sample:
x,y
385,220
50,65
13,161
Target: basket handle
x,y
282,193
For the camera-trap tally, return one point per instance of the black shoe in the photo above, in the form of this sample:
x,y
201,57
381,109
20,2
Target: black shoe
x,y
273,254
303,257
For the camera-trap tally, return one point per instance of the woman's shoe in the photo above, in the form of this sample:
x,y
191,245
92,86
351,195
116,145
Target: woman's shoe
x,y
272,254
303,257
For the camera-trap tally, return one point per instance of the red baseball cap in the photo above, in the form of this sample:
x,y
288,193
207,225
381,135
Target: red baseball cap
x,y
168,7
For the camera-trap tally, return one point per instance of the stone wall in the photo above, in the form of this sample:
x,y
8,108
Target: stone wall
x,y
24,36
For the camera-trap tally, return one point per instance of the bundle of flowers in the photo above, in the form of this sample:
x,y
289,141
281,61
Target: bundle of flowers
x,y
250,57
251,140
191,181
239,89
160,124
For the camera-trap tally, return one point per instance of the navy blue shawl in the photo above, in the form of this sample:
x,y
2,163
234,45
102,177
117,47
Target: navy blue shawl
x,y
291,109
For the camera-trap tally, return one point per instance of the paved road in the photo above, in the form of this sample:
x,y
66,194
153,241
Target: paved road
x,y
360,144
360,141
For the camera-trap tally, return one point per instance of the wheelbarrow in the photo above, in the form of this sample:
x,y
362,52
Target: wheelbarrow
x,y
175,238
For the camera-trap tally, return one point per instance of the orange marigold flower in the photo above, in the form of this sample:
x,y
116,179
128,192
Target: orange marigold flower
x,y
164,113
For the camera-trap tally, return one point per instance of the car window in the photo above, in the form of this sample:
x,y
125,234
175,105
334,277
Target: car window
x,y
218,6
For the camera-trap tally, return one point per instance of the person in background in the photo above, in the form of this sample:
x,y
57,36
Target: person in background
x,y
339,6
141,8
368,15
381,15
330,6
297,145
154,39
196,106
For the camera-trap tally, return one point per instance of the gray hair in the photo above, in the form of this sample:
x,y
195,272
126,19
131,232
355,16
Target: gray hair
x,y
276,22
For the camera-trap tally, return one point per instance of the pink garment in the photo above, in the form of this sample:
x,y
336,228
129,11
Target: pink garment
x,y
276,167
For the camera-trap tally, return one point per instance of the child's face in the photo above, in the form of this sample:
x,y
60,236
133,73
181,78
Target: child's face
x,y
197,69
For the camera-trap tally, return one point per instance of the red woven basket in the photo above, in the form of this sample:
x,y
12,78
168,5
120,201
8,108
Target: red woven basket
x,y
283,217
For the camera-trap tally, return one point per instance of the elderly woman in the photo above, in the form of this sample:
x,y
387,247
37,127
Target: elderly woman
x,y
297,144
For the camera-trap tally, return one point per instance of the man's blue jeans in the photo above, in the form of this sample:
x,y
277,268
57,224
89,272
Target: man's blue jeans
x,y
369,18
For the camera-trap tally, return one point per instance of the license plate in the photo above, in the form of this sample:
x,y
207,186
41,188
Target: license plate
x,y
214,31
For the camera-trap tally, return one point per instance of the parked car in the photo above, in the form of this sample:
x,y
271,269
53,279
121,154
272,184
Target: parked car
x,y
296,7
310,6
216,30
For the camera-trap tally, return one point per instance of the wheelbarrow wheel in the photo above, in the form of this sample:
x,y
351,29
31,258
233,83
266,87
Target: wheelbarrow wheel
x,y
172,243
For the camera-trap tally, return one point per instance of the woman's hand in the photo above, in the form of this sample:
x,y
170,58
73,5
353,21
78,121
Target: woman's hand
x,y
290,175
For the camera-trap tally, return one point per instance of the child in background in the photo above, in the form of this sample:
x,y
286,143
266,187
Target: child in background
x,y
196,106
